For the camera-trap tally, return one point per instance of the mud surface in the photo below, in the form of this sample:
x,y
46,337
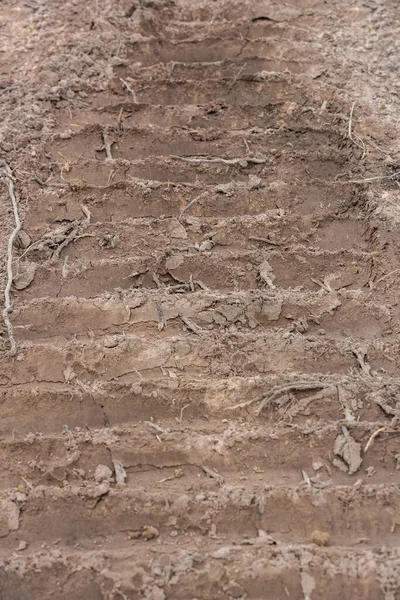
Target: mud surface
x,y
204,401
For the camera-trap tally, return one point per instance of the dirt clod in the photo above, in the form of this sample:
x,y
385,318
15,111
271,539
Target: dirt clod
x,y
320,538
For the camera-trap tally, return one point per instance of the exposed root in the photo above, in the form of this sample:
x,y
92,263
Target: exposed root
x,y
5,171
203,195
224,161
290,387
126,85
355,138
375,435
278,391
107,147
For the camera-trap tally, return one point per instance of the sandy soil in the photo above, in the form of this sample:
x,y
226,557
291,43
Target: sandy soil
x,y
205,300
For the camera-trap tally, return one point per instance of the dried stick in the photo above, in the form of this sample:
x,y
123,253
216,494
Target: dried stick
x,y
369,179
224,161
203,195
386,276
254,238
374,435
8,306
126,85
107,147
354,137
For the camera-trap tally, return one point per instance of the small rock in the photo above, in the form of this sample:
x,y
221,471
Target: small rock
x,y
206,246
102,473
134,535
320,538
223,552
65,135
9,517
317,465
22,545
25,275
24,239
226,188
149,532
111,342
173,262
267,274
349,450
120,473
254,182
157,593
339,464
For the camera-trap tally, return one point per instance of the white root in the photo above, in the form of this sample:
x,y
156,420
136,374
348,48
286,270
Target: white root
x,y
5,171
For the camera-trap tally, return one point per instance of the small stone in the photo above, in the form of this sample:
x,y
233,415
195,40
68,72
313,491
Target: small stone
x,y
206,246
65,135
102,473
111,342
173,262
174,533
349,450
134,535
120,473
22,545
226,188
179,473
149,532
157,593
24,239
317,465
254,182
9,517
136,389
267,274
223,552
320,538
25,275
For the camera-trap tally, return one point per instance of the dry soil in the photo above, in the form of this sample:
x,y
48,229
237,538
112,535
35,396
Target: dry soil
x,y
205,300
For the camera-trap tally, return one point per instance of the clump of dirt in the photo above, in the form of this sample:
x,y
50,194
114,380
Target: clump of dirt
x,y
203,398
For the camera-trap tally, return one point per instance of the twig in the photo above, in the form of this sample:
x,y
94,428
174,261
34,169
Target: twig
x,y
155,427
244,404
7,89
369,179
375,435
322,285
46,184
213,474
192,326
203,195
254,238
354,137
8,306
181,415
107,147
129,88
224,161
236,77
385,276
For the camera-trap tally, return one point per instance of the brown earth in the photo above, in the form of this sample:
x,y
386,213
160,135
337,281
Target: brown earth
x,y
205,300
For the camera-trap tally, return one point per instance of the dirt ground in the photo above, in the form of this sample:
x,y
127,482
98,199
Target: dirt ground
x,y
204,398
